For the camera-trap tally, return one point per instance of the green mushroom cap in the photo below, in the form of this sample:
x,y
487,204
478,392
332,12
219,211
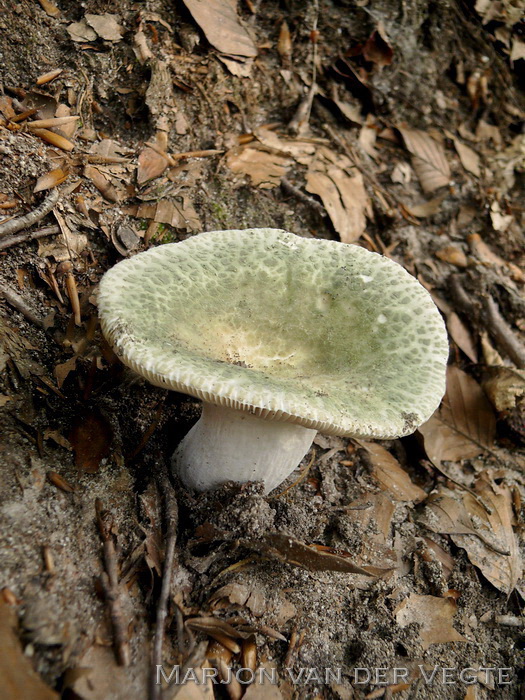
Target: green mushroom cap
x,y
315,332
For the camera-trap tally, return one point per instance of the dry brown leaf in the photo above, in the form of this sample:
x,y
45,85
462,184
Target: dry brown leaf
x,y
291,551
377,49
442,556
242,68
428,159
62,370
390,475
453,255
341,189
468,157
49,8
220,24
503,570
102,183
239,594
425,209
19,680
106,26
151,165
179,215
52,179
464,426
264,169
301,151
91,437
81,31
54,139
458,331
518,49
434,615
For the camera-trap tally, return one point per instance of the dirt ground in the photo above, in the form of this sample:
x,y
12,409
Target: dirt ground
x,y
397,126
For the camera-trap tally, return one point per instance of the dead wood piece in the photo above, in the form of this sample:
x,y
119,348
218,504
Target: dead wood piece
x,y
502,333
172,518
21,222
18,303
30,236
113,591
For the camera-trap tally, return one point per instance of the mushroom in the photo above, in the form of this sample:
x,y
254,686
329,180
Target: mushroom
x,y
280,336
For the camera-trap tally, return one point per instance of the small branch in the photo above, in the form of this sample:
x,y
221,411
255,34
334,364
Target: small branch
x,y
172,518
288,188
112,589
21,222
18,303
503,333
31,236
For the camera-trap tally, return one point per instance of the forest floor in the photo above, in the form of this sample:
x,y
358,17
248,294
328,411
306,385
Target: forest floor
x,y
397,126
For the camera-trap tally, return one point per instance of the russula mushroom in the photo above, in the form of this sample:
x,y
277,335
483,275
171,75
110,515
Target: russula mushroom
x,y
280,336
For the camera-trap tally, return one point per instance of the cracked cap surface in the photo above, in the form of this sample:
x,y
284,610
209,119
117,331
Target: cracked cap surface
x,y
316,332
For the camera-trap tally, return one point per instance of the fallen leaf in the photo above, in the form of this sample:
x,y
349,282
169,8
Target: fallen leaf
x,y
106,26
299,150
434,617
102,183
51,179
264,169
81,31
220,24
453,255
377,49
518,49
425,209
151,165
49,8
19,680
390,475
402,173
291,551
464,426
468,157
341,188
91,437
503,570
62,370
179,215
239,594
428,159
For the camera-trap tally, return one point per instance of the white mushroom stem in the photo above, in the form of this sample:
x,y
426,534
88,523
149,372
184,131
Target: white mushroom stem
x,y
230,445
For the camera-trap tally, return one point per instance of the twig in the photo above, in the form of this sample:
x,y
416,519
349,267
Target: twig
x,y
16,301
302,115
30,236
112,589
21,222
172,517
288,188
503,334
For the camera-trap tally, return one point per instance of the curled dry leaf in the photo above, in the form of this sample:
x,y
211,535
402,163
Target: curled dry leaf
x,y
464,426
291,551
434,617
428,159
390,475
102,183
239,594
340,186
51,179
377,49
